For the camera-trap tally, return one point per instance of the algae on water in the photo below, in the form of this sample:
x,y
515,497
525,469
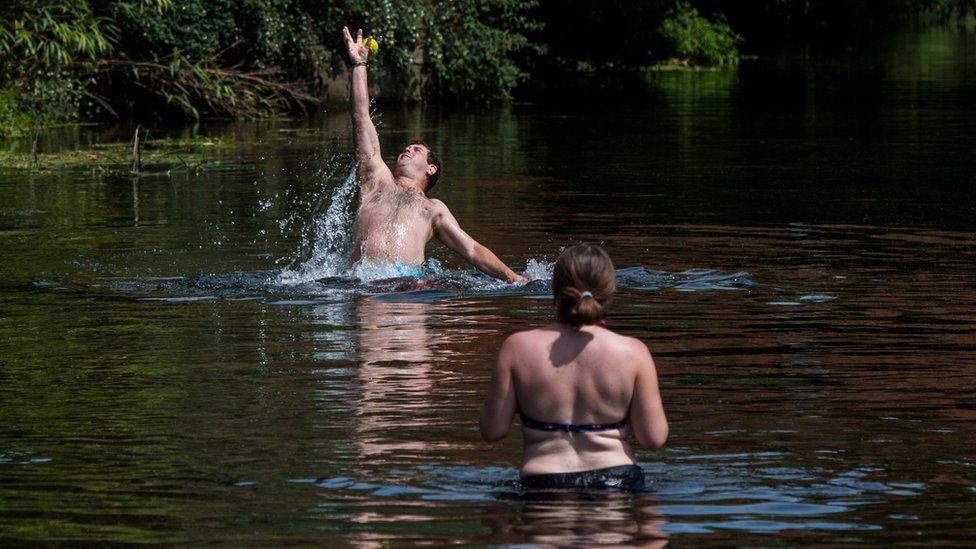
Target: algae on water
x,y
156,156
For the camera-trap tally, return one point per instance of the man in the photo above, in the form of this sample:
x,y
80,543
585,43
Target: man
x,y
396,219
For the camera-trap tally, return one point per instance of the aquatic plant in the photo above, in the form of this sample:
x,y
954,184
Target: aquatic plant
x,y
163,155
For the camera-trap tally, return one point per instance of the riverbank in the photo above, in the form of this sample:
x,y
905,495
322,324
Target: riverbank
x,y
132,60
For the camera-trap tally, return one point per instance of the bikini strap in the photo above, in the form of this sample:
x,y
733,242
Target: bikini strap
x,y
530,423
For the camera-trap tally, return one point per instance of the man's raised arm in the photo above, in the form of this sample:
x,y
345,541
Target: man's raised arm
x,y
450,233
366,141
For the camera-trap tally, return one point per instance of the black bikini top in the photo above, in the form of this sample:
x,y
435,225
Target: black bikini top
x,y
530,423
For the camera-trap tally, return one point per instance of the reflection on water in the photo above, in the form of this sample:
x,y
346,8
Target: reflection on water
x,y
578,519
794,242
489,502
686,494
395,350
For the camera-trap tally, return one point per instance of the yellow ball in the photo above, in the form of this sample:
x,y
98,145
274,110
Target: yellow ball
x,y
373,45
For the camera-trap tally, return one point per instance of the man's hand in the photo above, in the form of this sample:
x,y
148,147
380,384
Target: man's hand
x,y
358,50
372,170
519,279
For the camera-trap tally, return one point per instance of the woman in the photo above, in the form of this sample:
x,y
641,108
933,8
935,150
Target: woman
x,y
579,389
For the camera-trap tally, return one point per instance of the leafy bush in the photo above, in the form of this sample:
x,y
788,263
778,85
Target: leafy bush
x,y
13,120
206,57
470,45
45,49
459,49
693,38
246,57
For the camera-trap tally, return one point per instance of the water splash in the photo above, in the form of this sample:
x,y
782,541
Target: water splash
x,y
373,279
324,250
328,239
536,269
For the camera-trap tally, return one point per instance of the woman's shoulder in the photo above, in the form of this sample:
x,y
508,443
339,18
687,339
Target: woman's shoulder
x,y
531,342
624,346
534,336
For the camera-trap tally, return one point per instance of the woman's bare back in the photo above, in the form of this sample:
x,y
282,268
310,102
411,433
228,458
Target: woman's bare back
x,y
567,375
580,389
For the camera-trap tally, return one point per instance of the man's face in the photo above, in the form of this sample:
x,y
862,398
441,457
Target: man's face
x,y
413,157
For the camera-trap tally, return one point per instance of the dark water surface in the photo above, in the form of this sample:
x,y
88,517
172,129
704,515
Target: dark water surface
x,y
795,243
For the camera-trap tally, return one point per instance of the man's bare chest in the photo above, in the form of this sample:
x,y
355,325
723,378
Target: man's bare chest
x,y
395,206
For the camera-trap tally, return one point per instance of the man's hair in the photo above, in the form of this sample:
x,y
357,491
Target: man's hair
x,y
431,159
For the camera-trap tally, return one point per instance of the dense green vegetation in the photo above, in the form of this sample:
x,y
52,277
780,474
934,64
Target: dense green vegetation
x,y
693,38
62,60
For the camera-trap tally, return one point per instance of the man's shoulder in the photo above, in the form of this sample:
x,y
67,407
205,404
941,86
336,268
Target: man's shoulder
x,y
437,207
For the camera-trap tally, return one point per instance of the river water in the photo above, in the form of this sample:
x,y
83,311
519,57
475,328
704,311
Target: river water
x,y
183,358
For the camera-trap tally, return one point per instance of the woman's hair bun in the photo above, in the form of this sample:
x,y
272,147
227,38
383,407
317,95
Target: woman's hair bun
x,y
583,282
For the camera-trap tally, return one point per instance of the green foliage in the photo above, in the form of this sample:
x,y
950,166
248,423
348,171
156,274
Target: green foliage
x,y
251,33
396,24
695,39
197,29
245,58
204,86
52,34
200,56
223,57
237,58
46,48
471,43
13,120
461,49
